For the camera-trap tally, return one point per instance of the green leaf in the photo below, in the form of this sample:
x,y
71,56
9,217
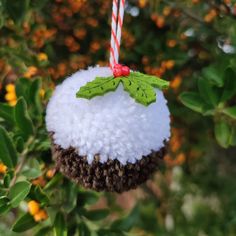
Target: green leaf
x,y
60,228
7,113
152,80
32,169
34,96
207,92
70,192
24,223
8,153
41,196
95,215
193,101
7,180
23,121
233,136
98,87
19,142
126,223
17,9
38,4
229,85
18,192
22,88
4,205
46,231
54,181
142,92
230,111
214,74
223,133
83,230
87,198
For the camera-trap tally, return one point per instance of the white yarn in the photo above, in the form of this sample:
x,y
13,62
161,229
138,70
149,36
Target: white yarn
x,y
113,125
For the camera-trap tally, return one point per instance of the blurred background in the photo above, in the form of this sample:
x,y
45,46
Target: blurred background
x,y
192,44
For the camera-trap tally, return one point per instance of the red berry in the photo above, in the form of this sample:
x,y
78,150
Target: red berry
x,y
125,70
117,72
117,66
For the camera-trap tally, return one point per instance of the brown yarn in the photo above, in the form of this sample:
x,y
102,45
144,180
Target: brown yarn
x,y
110,176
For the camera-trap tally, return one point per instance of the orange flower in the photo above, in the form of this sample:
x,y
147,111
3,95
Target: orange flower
x,y
3,169
33,207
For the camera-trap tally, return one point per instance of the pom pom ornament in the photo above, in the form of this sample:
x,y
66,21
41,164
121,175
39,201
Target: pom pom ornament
x,y
109,126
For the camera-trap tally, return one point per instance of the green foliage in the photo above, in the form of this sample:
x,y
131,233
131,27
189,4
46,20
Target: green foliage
x,y
216,88
138,85
8,153
18,192
24,223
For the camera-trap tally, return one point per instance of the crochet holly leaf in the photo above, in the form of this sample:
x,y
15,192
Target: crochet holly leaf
x,y
138,85
152,80
141,91
98,87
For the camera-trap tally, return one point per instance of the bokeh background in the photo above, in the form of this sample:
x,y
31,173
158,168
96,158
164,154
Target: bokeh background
x,y
192,44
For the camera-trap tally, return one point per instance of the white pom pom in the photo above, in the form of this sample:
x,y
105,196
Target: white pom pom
x,y
113,125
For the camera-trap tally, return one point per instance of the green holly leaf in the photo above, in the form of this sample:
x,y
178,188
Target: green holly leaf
x,y
142,92
138,85
98,87
152,80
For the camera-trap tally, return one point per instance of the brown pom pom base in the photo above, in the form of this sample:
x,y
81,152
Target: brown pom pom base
x,y
110,176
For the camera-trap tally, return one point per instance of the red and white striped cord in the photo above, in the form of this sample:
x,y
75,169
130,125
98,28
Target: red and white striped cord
x,y
118,9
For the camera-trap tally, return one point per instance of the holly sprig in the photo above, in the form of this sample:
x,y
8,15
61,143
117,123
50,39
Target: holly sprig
x,y
138,85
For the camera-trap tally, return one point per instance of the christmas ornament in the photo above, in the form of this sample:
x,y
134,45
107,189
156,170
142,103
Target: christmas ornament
x,y
109,125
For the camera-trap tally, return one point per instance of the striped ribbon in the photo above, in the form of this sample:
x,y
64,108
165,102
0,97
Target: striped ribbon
x,y
116,26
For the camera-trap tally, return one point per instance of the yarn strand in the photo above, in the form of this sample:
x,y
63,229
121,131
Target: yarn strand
x,y
116,29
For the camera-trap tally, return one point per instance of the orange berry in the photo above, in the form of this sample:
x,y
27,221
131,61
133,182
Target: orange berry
x,y
171,43
39,181
160,22
10,88
180,159
50,173
42,56
31,71
41,215
10,97
169,64
176,82
33,207
166,11
3,168
142,3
